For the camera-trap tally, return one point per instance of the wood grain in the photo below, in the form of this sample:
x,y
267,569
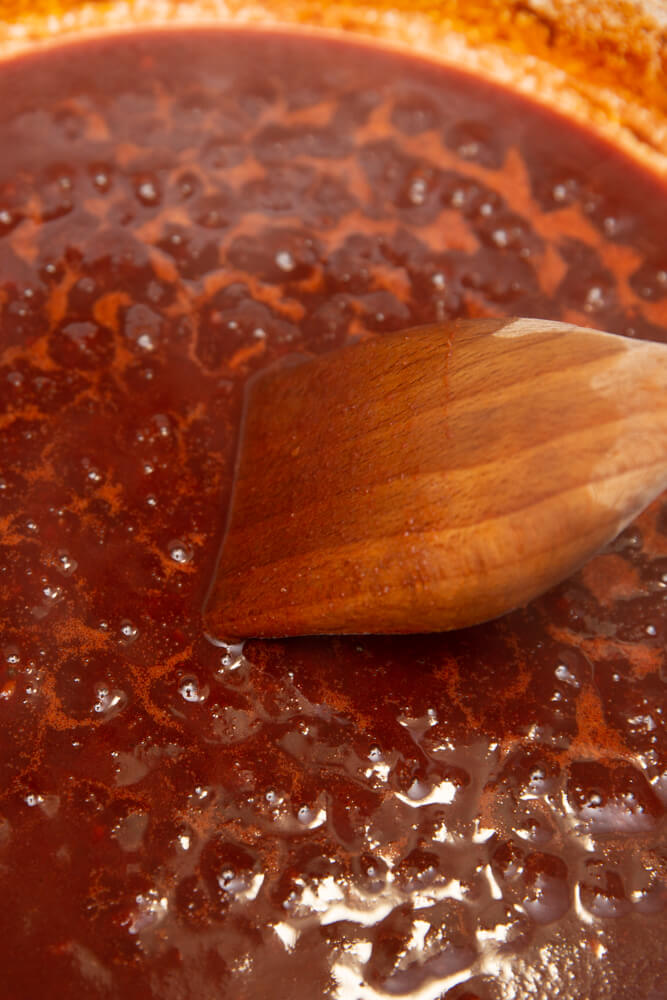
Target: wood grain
x,y
435,478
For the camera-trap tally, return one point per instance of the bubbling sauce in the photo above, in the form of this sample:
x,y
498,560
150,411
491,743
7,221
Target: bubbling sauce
x,y
472,815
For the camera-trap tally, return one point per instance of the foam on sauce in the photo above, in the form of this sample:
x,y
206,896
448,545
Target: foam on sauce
x,y
479,814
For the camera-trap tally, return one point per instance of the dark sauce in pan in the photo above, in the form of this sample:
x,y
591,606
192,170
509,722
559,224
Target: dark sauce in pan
x,y
472,815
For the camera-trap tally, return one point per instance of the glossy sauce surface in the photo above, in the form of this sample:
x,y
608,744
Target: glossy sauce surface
x,y
479,814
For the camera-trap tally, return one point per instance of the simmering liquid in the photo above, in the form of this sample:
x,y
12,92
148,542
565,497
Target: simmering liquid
x,y
473,815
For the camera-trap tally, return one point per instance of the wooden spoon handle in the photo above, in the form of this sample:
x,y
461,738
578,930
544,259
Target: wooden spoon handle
x,y
436,478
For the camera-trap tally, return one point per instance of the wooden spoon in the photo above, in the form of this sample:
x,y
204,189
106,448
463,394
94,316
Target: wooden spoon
x,y
435,478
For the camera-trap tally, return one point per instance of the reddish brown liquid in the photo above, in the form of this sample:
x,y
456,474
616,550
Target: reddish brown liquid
x,y
480,814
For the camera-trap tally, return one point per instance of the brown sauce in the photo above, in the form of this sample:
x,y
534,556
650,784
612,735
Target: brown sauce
x,y
472,815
